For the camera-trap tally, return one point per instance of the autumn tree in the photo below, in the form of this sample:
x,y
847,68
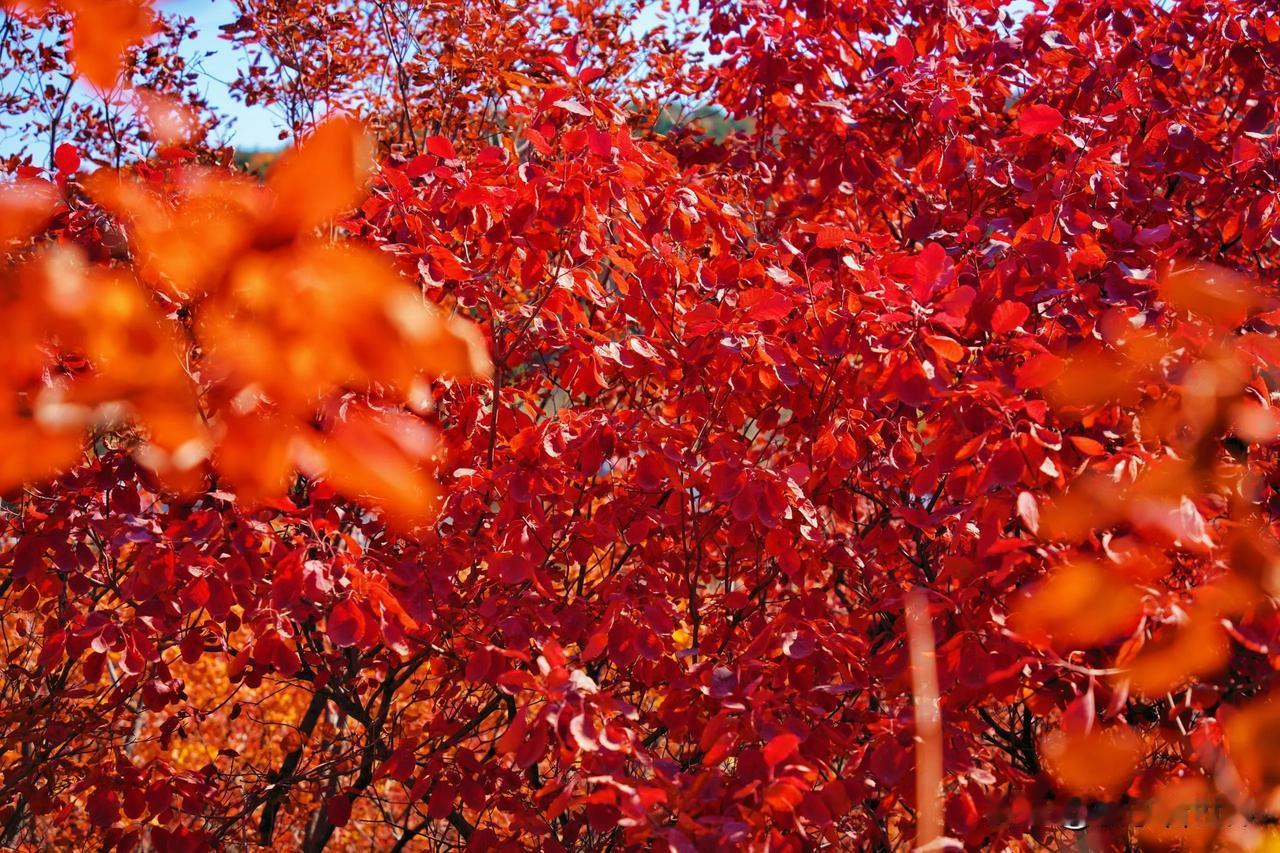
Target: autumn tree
x,y
751,426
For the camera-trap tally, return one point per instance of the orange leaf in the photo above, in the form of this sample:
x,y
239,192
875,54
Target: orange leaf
x,y
1088,446
171,122
1219,295
321,178
1097,763
37,446
101,32
782,797
25,208
1093,378
946,348
255,453
185,246
377,456
1253,740
1182,814
1178,654
303,321
1077,606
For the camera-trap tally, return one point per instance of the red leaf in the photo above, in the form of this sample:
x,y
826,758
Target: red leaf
x,y
780,748
479,665
1080,715
596,645
345,623
513,737
1006,466
830,236
441,801
934,271
1039,370
67,158
1039,119
511,568
903,50
338,809
762,304
1155,235
1008,316
532,749
440,147
399,765
719,750
103,807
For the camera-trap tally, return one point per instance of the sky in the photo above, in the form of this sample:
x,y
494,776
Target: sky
x,y
247,128
251,127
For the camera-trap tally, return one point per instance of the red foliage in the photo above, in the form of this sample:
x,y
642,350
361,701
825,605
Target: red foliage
x,y
538,463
